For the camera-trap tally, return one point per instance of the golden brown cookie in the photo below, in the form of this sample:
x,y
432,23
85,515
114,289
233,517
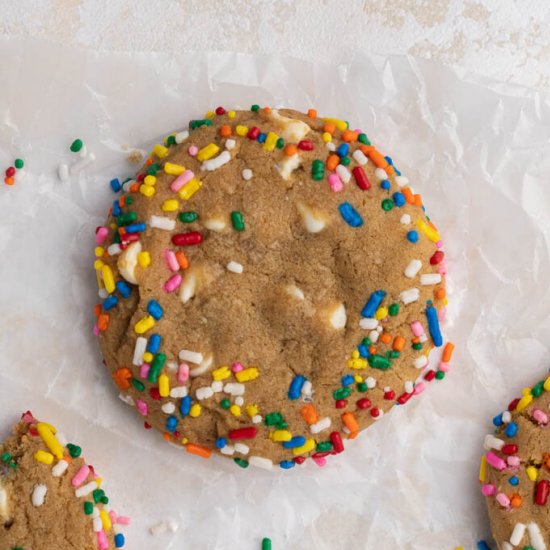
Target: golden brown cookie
x,y
515,472
50,499
269,281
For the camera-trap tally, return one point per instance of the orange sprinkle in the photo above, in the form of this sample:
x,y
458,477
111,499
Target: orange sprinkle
x,y
103,321
372,350
349,136
415,340
183,262
149,161
546,458
134,188
366,149
332,162
166,436
97,310
312,113
390,170
267,110
515,500
121,231
329,127
199,450
385,338
349,420
68,459
122,200
225,130
291,149
122,377
440,293
418,200
378,158
398,343
309,414
9,180
408,194
447,352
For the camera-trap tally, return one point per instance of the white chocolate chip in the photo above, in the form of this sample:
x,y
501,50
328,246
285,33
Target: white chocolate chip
x,y
128,261
234,267
430,279
413,268
335,315
410,295
203,367
314,219
405,219
4,507
188,287
287,165
290,129
295,292
247,174
215,224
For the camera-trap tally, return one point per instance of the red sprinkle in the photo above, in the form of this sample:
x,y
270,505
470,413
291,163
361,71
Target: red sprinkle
x,y
299,459
364,403
512,406
146,425
154,393
130,238
253,133
337,443
305,145
320,454
243,433
437,257
389,395
403,398
361,178
185,239
430,375
510,449
141,177
375,412
340,403
541,492
10,171
220,111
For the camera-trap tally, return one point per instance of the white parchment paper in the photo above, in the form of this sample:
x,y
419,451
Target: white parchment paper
x,y
478,151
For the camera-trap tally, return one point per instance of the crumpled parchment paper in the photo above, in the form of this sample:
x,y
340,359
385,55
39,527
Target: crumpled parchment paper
x,y
478,151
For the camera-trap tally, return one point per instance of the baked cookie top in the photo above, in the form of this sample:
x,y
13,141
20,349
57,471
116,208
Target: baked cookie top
x,y
515,472
50,498
271,286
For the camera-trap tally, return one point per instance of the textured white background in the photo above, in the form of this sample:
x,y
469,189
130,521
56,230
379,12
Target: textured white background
x,y
477,149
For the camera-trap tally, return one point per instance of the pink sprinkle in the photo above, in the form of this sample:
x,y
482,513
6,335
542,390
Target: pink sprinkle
x,y
444,366
441,314
80,476
417,328
335,182
123,520
141,406
96,330
236,367
488,490
319,460
102,541
101,235
193,150
182,179
144,370
540,416
170,259
419,388
112,516
442,269
173,283
439,244
503,500
183,372
28,418
495,461
513,461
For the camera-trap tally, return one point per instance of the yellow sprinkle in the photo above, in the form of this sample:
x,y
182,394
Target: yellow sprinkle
x,y
280,435
358,378
164,384
326,137
184,441
147,190
222,373
340,124
147,357
145,324
45,432
381,313
195,410
99,251
99,481
547,384
357,362
150,180
445,302
241,130
430,232
209,114
105,520
113,226
271,141
231,114
108,279
160,151
98,264
170,205
43,457
459,548
309,445
174,169
252,410
524,402
99,280
247,374
189,189
532,473
483,469
235,410
207,152
144,259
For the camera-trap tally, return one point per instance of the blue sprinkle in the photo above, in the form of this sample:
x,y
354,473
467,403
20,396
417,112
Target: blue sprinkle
x,y
296,441
397,172
373,303
343,150
514,480
171,423
385,184
154,308
185,405
287,464
261,138
399,199
347,380
116,209
433,326
497,420
221,442
511,429
123,289
389,161
110,302
119,540
296,387
115,185
482,545
363,351
153,345
350,215
412,236
135,227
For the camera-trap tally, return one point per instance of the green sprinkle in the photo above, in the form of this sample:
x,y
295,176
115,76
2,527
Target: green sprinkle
x,y
116,238
266,544
393,310
88,508
6,457
237,220
440,375
138,384
379,362
97,495
126,218
74,450
341,393
156,366
387,205
225,404
194,124
255,108
188,217
273,418
345,161
105,500
362,386
13,465
394,354
281,425
129,200
153,169
362,138
76,145
280,143
324,446
317,170
241,462
417,346
171,140
19,163
538,389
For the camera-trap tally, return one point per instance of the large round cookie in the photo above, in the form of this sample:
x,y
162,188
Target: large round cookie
x,y
515,472
50,499
271,287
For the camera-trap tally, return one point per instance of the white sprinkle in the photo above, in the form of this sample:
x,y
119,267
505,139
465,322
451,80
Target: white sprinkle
x,y
413,268
234,388
420,362
4,509
162,222
430,279
102,293
39,494
338,317
126,186
172,365
82,163
204,393
181,136
97,525
168,408
86,489
387,389
260,462
379,329
60,436
331,146
217,386
359,157
368,323
401,181
381,174
191,356
247,174
535,536
517,533
492,442
409,296
344,173
506,417
139,350
213,164
239,401
95,512
228,450
371,382
296,292
405,219
63,172
257,419
242,448
234,267
215,224
178,391
307,389
374,335
230,144
128,399
320,425
409,386
114,249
